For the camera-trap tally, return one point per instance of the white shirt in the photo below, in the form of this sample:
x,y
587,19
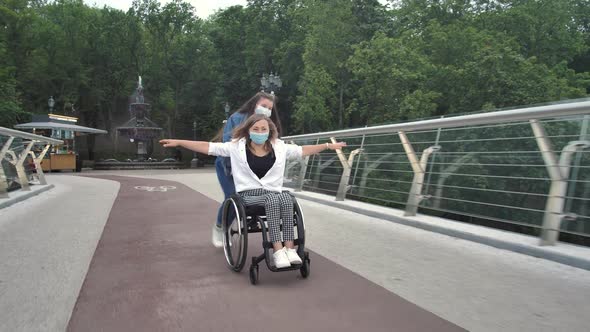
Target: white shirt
x,y
244,178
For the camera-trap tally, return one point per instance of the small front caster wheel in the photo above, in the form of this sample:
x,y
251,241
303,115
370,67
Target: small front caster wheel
x,y
254,274
304,269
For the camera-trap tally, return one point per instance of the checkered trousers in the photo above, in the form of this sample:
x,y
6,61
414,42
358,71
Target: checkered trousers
x,y
278,206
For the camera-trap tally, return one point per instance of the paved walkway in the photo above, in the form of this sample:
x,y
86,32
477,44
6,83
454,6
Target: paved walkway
x,y
46,244
154,270
473,286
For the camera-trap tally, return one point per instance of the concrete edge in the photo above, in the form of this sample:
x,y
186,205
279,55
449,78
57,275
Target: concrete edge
x,y
574,261
78,289
23,197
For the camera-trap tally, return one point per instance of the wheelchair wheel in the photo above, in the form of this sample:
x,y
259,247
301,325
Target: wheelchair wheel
x,y
299,220
254,274
235,233
305,268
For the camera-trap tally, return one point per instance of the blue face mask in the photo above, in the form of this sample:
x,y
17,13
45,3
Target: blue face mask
x,y
258,138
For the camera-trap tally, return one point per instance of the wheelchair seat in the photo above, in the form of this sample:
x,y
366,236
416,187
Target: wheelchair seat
x,y
255,210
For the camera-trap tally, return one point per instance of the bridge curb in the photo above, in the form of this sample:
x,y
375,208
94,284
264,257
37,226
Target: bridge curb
x,y
35,190
539,252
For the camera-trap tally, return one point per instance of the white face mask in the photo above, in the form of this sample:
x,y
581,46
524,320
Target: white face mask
x,y
263,110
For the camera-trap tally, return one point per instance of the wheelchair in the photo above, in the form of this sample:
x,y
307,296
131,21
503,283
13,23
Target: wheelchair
x,y
238,220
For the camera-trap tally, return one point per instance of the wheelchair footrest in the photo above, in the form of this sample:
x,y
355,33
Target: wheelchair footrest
x,y
269,244
290,268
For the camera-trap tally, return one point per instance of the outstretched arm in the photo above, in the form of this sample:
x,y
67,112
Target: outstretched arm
x,y
313,149
197,146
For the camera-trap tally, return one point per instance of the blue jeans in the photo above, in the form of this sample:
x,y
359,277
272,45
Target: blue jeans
x,y
227,185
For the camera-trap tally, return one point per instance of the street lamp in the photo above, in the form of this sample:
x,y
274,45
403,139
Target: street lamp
x,y
270,83
226,109
51,103
195,160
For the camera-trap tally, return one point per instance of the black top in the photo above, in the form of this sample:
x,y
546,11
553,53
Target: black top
x,y
260,165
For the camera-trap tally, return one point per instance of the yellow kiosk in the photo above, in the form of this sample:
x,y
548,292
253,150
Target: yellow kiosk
x,y
60,157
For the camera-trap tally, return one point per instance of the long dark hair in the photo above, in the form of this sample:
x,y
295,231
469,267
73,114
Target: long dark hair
x,y
243,131
219,136
250,106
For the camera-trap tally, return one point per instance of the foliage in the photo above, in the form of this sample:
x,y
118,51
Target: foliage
x,y
343,63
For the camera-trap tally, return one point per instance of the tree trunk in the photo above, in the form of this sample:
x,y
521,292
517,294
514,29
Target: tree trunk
x,y
175,114
341,108
110,125
169,125
90,139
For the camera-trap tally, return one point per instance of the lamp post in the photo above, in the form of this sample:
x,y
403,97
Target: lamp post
x,y
51,103
226,109
270,83
195,160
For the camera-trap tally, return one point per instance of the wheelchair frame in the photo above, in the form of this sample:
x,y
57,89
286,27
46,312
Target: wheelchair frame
x,y
252,219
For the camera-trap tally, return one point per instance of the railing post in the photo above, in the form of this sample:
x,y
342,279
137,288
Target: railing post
x,y
559,174
314,183
419,167
356,169
20,169
575,172
315,176
302,171
437,139
3,179
289,165
37,160
347,168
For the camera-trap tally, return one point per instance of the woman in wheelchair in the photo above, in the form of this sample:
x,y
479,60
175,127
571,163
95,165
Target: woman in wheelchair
x,y
258,158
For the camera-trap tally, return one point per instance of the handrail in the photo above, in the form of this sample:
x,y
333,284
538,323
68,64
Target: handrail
x,y
506,116
17,160
35,138
560,153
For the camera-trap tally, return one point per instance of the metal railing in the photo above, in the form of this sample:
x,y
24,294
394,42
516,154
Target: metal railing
x,y
15,147
527,166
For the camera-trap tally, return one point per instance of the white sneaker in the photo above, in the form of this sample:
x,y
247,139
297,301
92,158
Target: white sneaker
x,y
217,236
293,256
280,258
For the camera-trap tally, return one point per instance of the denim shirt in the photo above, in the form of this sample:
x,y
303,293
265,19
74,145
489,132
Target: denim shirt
x,y
234,121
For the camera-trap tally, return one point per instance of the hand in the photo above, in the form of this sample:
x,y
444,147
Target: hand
x,y
169,143
336,146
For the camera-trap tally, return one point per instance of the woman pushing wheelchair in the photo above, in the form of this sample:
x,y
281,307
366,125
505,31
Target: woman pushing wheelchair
x,y
258,158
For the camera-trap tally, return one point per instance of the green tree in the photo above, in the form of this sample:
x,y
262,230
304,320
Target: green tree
x,y
549,30
11,111
169,65
328,44
227,33
394,80
311,111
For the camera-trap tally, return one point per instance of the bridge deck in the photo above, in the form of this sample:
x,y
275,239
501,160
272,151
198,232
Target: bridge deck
x,y
152,268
